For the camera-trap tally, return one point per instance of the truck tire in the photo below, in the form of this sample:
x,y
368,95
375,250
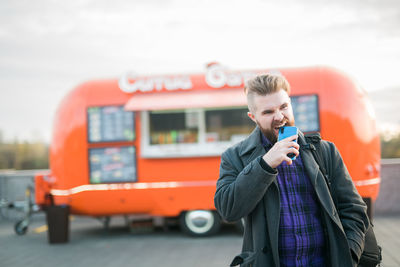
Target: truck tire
x,y
200,222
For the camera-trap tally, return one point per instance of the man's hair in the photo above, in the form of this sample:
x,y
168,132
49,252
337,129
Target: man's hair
x,y
263,85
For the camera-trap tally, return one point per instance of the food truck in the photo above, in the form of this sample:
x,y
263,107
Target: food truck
x,y
152,144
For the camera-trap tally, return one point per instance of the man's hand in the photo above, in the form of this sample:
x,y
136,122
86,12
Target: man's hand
x,y
278,153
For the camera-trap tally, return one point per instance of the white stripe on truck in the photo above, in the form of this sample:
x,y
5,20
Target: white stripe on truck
x,y
129,186
161,185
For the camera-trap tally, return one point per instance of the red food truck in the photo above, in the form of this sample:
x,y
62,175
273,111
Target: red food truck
x,y
152,145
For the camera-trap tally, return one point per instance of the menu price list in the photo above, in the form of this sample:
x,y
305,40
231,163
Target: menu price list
x,y
305,111
112,164
110,124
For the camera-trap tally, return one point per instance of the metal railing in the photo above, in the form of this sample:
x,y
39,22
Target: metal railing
x,y
16,192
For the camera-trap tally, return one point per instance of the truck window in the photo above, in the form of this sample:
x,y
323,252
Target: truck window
x,y
208,132
227,125
195,132
306,112
178,127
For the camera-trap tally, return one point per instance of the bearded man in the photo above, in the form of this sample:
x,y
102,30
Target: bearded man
x,y
289,216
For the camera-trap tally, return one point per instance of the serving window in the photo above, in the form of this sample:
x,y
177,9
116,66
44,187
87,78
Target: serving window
x,y
180,127
227,125
194,132
209,132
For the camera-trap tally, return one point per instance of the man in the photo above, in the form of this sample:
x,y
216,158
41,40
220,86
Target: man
x,y
289,216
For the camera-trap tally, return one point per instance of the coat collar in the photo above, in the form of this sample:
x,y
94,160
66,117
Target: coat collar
x,y
251,148
251,142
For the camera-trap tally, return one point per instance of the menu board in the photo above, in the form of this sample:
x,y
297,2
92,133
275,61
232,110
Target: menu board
x,y
112,164
110,124
306,113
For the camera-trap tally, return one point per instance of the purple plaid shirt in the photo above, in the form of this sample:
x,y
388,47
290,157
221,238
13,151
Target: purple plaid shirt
x,y
301,234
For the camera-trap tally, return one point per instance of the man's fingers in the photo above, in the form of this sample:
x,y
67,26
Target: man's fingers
x,y
279,151
295,145
292,138
294,151
288,160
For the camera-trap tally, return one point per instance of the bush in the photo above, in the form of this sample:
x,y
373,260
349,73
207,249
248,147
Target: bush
x,y
390,148
23,156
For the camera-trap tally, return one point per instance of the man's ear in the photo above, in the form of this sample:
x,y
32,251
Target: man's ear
x,y
251,116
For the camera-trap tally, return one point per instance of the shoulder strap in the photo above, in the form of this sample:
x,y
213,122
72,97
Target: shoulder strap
x,y
314,141
314,144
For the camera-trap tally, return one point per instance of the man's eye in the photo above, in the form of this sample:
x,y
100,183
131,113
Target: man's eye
x,y
265,112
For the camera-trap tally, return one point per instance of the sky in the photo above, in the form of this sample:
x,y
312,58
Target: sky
x,y
48,47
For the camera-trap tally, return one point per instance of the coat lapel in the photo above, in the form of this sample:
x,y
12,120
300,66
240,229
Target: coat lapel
x,y
251,147
250,150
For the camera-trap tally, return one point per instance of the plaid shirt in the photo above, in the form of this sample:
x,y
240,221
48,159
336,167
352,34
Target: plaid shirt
x,y
301,234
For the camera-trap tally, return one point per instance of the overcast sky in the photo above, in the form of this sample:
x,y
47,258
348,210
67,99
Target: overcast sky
x,y
48,47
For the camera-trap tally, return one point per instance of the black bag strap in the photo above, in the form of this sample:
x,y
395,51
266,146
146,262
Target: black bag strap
x,y
314,144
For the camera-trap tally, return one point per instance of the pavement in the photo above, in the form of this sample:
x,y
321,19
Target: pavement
x,y
92,245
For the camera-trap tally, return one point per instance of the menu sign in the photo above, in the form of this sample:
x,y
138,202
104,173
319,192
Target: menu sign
x,y
112,164
305,110
110,124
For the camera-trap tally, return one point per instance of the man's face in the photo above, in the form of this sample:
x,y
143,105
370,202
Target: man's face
x,y
271,112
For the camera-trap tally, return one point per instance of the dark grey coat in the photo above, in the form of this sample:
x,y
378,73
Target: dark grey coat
x,y
246,190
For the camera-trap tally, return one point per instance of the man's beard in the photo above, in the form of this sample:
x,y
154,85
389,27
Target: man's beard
x,y
270,133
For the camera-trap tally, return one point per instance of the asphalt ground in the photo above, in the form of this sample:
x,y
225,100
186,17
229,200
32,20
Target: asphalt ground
x,y
92,245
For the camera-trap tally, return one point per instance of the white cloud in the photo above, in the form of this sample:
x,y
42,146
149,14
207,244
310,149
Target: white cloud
x,y
51,46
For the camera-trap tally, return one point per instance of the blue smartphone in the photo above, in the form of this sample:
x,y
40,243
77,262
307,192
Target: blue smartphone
x,y
285,132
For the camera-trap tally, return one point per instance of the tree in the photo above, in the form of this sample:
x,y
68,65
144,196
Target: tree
x,y
390,148
23,156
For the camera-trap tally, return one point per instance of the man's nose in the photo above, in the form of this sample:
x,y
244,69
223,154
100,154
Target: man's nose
x,y
278,115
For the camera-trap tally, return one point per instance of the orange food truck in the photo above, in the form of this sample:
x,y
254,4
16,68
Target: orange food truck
x,y
152,145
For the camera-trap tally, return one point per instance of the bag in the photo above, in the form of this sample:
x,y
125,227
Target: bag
x,y
372,254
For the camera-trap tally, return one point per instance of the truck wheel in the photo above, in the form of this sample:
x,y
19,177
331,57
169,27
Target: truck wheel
x,y
20,228
200,222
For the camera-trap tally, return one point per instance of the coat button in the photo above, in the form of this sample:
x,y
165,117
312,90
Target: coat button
x,y
265,250
247,169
